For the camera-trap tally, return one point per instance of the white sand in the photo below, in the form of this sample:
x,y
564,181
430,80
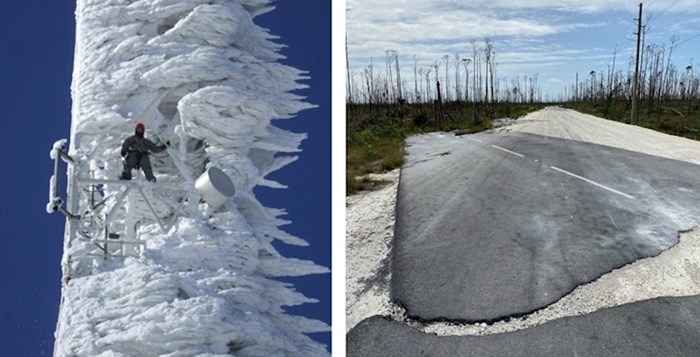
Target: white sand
x,y
675,272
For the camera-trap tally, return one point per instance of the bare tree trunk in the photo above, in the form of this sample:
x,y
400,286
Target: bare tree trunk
x,y
415,79
438,106
458,92
347,69
368,78
436,74
466,78
446,58
669,69
428,95
490,60
398,76
389,82
476,92
693,85
487,60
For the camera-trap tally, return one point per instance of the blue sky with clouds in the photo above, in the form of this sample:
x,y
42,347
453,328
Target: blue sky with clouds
x,y
551,39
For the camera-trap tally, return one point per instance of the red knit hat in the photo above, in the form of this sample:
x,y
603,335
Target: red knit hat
x,y
140,126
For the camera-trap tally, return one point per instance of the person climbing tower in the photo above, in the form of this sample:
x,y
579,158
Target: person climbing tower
x,y
135,151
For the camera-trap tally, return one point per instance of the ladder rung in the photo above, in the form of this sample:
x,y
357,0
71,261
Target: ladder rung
x,y
116,241
111,255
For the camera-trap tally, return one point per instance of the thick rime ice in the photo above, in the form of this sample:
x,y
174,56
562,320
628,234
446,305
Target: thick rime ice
x,y
193,281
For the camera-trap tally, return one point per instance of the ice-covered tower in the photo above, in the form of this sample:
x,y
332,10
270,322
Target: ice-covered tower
x,y
182,266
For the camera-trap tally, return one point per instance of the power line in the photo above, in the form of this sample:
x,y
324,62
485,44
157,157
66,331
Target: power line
x,y
688,39
616,43
635,85
625,32
668,8
651,4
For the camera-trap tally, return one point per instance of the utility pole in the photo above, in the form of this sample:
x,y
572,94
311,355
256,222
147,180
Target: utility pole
x,y
347,70
347,63
635,85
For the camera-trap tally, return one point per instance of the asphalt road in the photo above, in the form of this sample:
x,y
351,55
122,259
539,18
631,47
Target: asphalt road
x,y
492,226
658,327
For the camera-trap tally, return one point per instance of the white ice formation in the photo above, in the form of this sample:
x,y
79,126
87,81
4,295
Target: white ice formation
x,y
149,269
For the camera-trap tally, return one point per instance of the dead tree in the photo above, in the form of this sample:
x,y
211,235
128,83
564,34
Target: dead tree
x,y
446,58
488,47
415,79
368,79
612,73
428,95
466,62
398,76
476,80
437,107
389,83
490,70
347,69
458,92
666,83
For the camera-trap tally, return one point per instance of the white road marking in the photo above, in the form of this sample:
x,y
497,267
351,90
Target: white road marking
x,y
508,151
592,182
472,139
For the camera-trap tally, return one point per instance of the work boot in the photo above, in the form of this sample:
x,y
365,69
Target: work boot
x,y
126,175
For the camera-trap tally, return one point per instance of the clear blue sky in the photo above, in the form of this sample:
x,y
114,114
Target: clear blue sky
x,y
36,58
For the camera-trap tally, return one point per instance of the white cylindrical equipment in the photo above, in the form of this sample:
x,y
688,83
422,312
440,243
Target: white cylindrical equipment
x,y
215,187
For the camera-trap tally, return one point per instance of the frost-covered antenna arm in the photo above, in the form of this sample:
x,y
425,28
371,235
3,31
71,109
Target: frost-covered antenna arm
x,y
58,150
55,201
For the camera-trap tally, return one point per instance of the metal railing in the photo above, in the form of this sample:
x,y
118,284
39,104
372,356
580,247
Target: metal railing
x,y
95,219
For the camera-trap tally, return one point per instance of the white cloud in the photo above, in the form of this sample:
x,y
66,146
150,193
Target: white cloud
x,y
584,6
394,24
446,26
535,36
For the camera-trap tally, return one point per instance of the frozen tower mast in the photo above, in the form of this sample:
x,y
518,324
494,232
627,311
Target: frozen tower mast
x,y
183,266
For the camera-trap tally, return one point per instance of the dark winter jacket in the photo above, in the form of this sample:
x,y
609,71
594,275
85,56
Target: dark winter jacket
x,y
141,145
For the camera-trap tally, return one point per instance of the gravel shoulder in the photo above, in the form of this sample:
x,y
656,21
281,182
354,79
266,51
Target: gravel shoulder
x,y
675,272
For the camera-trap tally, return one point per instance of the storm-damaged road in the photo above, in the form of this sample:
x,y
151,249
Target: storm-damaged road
x,y
659,327
492,226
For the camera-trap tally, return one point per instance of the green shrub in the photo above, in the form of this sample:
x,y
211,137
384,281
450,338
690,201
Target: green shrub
x,y
420,120
375,135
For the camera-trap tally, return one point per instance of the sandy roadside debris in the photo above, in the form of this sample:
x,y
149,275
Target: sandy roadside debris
x,y
675,272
